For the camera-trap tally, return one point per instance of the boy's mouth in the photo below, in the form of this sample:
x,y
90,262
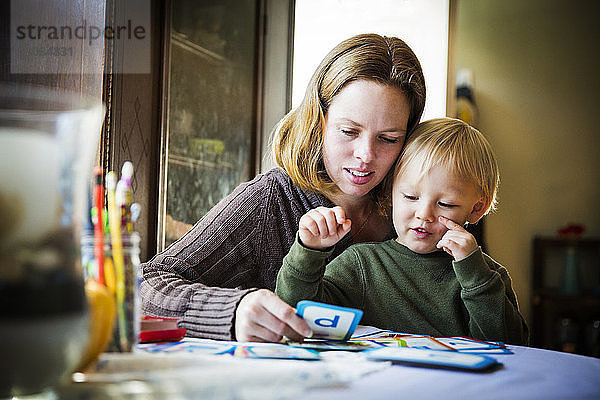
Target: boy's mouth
x,y
420,233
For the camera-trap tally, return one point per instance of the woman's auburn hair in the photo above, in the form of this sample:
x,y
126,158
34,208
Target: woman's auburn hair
x,y
298,138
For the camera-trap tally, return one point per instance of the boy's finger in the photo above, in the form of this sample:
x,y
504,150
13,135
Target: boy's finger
x,y
320,219
308,223
340,214
447,250
307,231
445,245
330,221
344,227
448,223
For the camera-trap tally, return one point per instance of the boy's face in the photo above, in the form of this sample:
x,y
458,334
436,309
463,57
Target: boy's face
x,y
419,201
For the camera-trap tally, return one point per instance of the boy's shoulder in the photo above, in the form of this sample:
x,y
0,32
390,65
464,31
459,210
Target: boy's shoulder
x,y
493,264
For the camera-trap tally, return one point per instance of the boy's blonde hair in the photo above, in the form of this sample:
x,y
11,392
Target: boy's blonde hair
x,y
456,145
298,138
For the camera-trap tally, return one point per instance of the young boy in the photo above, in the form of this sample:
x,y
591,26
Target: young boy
x,y
433,278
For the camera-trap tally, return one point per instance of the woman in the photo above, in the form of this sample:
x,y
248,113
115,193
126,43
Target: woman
x,y
336,148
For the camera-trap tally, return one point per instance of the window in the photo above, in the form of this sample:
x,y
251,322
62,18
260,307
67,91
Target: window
x,y
422,24
210,140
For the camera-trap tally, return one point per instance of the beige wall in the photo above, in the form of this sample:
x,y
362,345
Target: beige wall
x,y
537,80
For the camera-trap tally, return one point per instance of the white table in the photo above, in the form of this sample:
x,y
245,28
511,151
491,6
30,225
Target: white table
x,y
529,373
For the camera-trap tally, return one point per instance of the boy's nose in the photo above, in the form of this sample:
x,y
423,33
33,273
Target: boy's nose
x,y
425,213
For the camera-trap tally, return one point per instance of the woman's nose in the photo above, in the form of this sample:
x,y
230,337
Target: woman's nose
x,y
364,150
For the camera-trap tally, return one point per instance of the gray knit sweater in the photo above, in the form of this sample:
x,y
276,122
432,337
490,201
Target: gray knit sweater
x,y
239,245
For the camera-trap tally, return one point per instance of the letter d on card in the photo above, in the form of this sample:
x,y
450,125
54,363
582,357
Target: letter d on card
x,y
328,321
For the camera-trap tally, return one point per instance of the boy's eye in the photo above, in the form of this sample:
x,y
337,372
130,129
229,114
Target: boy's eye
x,y
446,205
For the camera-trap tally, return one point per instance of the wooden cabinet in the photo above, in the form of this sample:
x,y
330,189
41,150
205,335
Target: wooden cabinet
x,y
566,295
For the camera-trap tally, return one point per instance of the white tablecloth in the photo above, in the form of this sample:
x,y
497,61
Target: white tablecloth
x,y
529,373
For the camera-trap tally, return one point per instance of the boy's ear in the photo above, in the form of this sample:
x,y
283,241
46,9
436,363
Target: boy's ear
x,y
478,211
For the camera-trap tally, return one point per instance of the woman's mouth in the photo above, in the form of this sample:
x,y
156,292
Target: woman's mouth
x,y
421,233
358,177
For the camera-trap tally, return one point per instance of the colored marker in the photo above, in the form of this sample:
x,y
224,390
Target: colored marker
x,y
114,221
98,228
109,276
136,210
123,196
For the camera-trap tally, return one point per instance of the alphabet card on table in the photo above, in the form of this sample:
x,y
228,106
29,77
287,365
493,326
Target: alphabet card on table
x,y
328,321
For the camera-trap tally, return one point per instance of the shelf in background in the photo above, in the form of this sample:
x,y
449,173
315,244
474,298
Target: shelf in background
x,y
566,321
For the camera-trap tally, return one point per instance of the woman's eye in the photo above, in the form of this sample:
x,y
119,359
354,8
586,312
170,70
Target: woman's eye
x,y
348,132
410,197
390,140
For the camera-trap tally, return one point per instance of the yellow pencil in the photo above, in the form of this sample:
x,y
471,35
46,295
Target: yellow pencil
x,y
114,220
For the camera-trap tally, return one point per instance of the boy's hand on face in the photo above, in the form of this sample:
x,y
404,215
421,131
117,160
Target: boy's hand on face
x,y
323,227
456,241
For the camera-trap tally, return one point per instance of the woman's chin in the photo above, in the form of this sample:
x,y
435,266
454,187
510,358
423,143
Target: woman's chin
x,y
355,190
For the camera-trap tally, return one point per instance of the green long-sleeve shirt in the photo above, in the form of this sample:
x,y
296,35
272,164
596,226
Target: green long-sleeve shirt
x,y
401,290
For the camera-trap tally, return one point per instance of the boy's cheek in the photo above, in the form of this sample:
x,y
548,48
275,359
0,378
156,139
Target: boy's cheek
x,y
443,231
448,215
456,217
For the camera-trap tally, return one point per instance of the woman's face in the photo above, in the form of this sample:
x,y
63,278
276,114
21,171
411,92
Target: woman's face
x,y
365,129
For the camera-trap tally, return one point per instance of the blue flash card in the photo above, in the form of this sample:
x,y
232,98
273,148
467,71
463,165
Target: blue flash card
x,y
431,358
328,321
278,351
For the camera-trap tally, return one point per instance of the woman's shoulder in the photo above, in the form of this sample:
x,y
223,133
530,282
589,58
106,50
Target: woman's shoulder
x,y
251,195
284,188
276,176
271,193
261,185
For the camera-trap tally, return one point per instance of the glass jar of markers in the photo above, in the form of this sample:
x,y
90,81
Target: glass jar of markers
x,y
122,281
